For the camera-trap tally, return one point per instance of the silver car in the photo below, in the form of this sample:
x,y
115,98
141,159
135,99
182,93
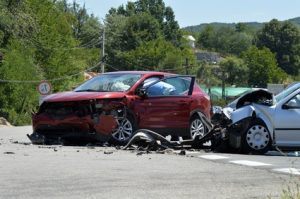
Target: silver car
x,y
263,121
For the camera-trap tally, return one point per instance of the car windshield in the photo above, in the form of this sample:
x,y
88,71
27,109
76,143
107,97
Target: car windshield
x,y
109,83
286,92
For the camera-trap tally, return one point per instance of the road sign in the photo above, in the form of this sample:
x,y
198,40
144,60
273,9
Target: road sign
x,y
44,88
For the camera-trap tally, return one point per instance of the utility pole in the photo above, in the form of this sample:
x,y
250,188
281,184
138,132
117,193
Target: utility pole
x,y
103,48
222,75
186,66
223,84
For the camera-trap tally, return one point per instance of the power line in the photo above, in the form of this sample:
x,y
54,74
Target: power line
x,y
92,42
110,66
50,80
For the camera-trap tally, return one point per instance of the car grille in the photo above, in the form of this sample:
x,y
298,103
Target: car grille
x,y
60,110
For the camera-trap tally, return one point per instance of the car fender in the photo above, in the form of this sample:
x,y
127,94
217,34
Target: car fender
x,y
240,114
254,111
266,118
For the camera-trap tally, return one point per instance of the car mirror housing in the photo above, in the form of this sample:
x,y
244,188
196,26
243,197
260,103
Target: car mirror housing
x,y
142,93
286,106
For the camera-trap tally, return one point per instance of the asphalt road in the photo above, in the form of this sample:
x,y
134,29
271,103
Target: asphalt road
x,y
30,171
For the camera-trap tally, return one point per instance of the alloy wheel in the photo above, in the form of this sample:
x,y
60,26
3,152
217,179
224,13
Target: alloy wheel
x,y
124,130
197,128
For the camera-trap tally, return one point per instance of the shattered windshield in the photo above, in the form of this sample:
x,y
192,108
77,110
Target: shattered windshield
x,y
109,83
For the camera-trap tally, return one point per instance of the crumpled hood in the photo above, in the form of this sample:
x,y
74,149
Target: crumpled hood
x,y
260,96
79,96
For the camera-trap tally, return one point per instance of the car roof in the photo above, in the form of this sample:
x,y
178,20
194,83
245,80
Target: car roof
x,y
140,72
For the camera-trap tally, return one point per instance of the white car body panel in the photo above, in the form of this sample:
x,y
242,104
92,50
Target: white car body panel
x,y
241,113
287,123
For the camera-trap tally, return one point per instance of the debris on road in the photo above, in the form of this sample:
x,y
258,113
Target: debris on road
x,y
108,152
9,152
48,147
141,153
23,143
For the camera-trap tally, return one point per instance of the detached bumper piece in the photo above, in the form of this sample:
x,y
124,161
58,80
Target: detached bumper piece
x,y
36,138
223,137
68,139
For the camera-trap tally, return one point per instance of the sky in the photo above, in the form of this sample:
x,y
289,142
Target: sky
x,y
195,12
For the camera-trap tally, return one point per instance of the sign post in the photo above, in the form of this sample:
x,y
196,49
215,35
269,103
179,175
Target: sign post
x,y
44,88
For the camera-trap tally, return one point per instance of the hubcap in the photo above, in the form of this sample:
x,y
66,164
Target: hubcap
x,y
258,137
197,128
124,130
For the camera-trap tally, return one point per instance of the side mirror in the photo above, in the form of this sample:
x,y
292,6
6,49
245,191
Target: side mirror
x,y
285,107
142,92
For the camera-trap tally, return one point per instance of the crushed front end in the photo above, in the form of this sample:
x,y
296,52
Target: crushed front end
x,y
79,122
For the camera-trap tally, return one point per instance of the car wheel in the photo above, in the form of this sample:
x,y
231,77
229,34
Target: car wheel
x,y
124,131
256,138
197,127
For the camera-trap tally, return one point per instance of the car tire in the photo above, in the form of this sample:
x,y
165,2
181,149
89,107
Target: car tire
x,y
256,138
196,127
124,131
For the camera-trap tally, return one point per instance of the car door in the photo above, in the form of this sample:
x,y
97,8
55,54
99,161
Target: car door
x,y
166,104
287,122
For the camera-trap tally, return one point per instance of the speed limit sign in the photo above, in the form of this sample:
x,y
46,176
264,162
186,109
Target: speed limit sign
x,y
44,88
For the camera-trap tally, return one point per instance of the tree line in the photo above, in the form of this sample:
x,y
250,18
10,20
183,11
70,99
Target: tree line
x,y
42,40
255,57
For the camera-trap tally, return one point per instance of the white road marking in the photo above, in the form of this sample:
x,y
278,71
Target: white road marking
x,y
292,171
213,157
249,163
192,152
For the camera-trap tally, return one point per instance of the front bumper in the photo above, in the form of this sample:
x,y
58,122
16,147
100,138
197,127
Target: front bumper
x,y
47,130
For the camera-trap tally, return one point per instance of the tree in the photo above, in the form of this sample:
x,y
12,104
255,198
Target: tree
x,y
224,40
144,37
38,42
18,99
86,28
171,27
139,28
157,9
241,27
206,74
283,39
206,38
263,67
15,21
237,71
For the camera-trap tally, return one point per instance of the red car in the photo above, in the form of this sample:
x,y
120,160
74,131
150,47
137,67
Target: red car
x,y
111,106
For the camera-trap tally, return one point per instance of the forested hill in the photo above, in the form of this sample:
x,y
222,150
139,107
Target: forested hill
x,y
253,25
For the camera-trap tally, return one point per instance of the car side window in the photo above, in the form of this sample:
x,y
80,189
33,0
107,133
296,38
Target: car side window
x,y
149,81
146,83
294,102
173,86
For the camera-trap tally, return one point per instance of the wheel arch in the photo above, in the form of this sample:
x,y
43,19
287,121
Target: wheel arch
x,y
196,112
266,121
133,115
